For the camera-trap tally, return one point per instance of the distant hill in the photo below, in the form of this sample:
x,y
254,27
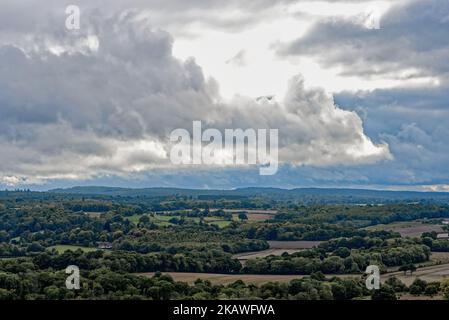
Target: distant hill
x,y
318,195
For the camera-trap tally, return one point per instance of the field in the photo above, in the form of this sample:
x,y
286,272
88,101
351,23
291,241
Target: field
x,y
164,220
439,257
421,297
63,248
408,229
215,278
439,270
252,211
293,245
94,214
220,223
255,216
252,214
242,257
433,273
277,248
429,274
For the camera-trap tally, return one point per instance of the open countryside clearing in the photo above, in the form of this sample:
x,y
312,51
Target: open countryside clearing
x,y
252,214
277,248
242,257
429,274
63,248
437,272
293,244
230,278
408,229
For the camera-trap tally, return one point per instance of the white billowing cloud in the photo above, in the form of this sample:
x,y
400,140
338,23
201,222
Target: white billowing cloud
x,y
103,102
312,130
266,29
436,188
212,31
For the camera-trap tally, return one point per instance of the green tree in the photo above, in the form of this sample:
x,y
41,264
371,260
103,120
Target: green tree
x,y
396,284
384,293
418,287
432,288
342,252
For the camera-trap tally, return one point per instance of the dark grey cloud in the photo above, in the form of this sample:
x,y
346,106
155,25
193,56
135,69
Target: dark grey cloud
x,y
413,121
413,35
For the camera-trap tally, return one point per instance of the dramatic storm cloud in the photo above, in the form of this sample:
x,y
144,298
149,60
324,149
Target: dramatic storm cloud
x,y
412,42
104,102
98,105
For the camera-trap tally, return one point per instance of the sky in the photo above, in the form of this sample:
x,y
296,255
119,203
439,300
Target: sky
x,y
358,91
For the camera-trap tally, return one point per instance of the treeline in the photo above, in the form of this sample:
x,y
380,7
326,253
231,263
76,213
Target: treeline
x,y
341,261
437,245
106,284
366,214
289,231
212,261
23,279
107,277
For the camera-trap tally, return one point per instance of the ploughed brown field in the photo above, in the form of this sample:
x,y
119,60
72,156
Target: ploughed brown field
x,y
293,244
432,273
261,254
429,274
277,248
408,229
437,272
421,297
227,278
230,278
255,211
253,215
417,231
439,257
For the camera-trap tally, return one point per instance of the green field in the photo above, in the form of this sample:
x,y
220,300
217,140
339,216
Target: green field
x,y
407,228
94,214
162,220
221,223
63,248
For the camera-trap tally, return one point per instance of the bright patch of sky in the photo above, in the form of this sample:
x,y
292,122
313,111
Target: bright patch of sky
x,y
260,71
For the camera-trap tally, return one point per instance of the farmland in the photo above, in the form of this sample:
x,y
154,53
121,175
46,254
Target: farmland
x,y
242,257
429,274
227,278
293,245
408,229
63,248
165,220
277,249
432,273
253,215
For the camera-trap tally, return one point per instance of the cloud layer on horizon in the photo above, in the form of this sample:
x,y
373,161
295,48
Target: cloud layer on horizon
x,y
103,102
